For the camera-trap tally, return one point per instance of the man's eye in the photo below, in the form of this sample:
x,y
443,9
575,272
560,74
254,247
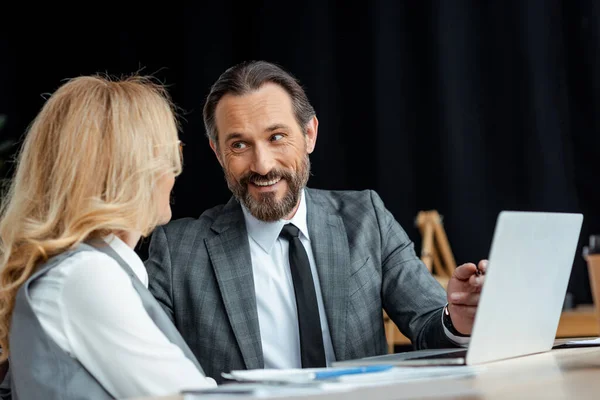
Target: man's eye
x,y
239,145
276,137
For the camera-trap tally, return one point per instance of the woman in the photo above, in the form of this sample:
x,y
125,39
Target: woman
x,y
94,175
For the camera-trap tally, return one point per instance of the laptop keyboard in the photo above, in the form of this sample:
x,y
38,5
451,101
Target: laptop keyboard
x,y
447,354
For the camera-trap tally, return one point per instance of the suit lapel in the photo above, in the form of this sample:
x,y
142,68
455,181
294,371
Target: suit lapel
x,y
329,244
229,252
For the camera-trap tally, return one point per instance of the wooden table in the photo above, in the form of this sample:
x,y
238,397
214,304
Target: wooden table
x,y
580,322
558,374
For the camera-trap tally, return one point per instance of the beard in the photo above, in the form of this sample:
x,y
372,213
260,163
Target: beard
x,y
266,207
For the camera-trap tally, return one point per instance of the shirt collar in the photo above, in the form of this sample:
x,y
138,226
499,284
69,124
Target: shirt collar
x,y
265,234
129,256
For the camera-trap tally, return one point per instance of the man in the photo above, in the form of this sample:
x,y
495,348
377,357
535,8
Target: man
x,y
283,276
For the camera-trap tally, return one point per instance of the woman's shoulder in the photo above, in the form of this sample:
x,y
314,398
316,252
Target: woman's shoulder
x,y
89,282
85,268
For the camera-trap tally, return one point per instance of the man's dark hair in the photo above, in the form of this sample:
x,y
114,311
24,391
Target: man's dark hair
x,y
250,76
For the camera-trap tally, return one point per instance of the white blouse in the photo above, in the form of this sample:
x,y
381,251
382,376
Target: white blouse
x,y
89,307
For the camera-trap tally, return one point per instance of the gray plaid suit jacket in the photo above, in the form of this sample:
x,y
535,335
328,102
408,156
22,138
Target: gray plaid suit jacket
x,y
200,270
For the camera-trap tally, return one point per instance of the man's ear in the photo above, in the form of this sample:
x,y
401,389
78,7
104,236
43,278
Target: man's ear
x,y
311,134
215,149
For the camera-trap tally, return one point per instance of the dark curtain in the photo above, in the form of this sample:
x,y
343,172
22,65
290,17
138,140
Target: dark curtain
x,y
466,107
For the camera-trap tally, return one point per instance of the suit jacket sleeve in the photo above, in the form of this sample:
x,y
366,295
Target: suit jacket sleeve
x,y
159,270
411,296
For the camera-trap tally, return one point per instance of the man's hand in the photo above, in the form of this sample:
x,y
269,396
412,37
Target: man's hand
x,y
464,289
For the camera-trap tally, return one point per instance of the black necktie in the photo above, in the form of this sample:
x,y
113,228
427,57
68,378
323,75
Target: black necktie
x,y
311,338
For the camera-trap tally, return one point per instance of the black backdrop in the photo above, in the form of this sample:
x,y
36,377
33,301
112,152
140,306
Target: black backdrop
x,y
467,107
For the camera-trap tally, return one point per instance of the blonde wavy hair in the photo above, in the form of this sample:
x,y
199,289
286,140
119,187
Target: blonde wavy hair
x,y
88,167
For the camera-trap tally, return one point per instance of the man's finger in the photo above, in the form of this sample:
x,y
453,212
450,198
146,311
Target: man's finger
x,y
464,298
477,281
465,271
483,266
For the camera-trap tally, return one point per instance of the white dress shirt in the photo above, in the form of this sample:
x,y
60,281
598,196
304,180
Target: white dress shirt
x,y
89,307
274,288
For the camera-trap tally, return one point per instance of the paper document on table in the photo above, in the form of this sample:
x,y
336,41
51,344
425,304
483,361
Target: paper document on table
x,y
407,374
587,341
354,376
579,343
302,375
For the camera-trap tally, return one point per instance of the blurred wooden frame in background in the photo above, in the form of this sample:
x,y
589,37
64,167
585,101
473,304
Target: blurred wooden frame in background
x,y
436,253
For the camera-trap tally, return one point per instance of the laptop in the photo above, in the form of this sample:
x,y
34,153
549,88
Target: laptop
x,y
521,301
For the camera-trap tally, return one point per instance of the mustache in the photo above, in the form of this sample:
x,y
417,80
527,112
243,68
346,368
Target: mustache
x,y
253,177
